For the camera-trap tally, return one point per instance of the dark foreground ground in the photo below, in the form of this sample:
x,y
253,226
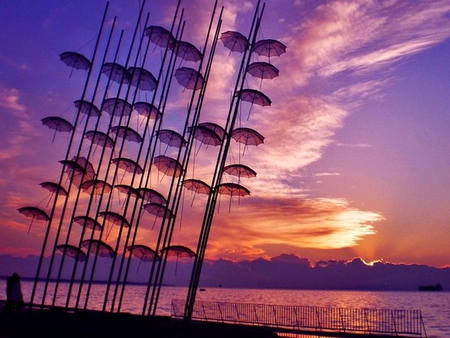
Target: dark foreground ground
x,y
47,323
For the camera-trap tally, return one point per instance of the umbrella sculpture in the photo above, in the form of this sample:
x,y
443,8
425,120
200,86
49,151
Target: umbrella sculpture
x,y
75,60
197,186
254,97
269,48
147,110
152,196
189,78
127,190
87,108
117,107
57,124
158,210
263,70
205,135
54,188
99,139
87,222
168,165
96,187
179,251
127,133
114,219
247,136
186,50
98,247
116,72
214,127
78,170
239,170
159,36
171,138
234,41
143,79
233,189
72,251
35,214
143,252
128,165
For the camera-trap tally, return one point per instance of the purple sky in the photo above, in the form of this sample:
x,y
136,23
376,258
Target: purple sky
x,y
355,158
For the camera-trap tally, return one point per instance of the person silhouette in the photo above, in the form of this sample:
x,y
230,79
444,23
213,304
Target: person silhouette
x,y
14,297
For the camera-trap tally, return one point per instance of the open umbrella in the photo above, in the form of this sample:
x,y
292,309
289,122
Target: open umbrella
x,y
35,214
117,107
152,196
116,72
147,110
179,251
72,251
128,165
57,124
269,48
87,108
186,50
96,187
115,219
220,131
263,70
196,186
127,133
171,138
75,60
143,252
189,78
247,136
205,135
168,165
142,78
78,170
159,36
98,247
234,41
99,139
233,189
239,170
158,210
54,188
87,222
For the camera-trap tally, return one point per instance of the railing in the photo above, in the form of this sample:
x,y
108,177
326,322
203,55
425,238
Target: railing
x,y
407,323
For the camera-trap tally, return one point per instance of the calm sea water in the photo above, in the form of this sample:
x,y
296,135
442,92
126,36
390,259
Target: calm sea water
x,y
435,306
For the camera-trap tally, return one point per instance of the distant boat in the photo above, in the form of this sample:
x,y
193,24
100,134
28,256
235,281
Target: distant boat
x,y
437,287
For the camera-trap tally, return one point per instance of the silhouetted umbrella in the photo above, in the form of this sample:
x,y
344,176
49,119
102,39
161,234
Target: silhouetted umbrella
x,y
168,165
127,133
87,108
57,124
116,72
78,170
96,187
35,214
147,110
254,97
142,78
98,247
179,251
171,138
152,196
75,60
215,127
262,70
128,165
247,136
114,218
233,189
189,78
99,138
72,251
54,188
186,50
87,222
159,36
197,186
126,189
117,107
143,252
239,170
158,210
269,48
205,135
234,41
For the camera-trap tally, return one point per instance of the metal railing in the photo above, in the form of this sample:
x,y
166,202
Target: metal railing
x,y
407,323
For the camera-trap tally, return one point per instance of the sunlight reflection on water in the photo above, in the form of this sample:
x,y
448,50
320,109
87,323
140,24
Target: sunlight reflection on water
x,y
435,306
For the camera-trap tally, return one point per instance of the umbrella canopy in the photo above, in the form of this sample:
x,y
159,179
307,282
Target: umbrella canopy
x,y
247,136
128,190
87,108
239,170
128,165
72,251
152,196
186,50
269,48
96,187
220,131
189,78
234,41
75,60
115,218
143,79
168,165
254,97
143,252
95,246
127,133
117,107
171,138
233,189
158,210
116,72
179,251
159,36
57,124
99,138
198,186
35,214
205,135
147,110
87,222
263,70
54,188
79,170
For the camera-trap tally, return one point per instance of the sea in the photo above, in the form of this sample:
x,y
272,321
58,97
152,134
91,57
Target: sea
x,y
435,306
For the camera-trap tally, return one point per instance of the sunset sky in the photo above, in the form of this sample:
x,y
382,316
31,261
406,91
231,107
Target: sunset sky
x,y
355,161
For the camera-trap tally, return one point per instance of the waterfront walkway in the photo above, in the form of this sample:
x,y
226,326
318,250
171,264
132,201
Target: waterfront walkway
x,y
310,319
